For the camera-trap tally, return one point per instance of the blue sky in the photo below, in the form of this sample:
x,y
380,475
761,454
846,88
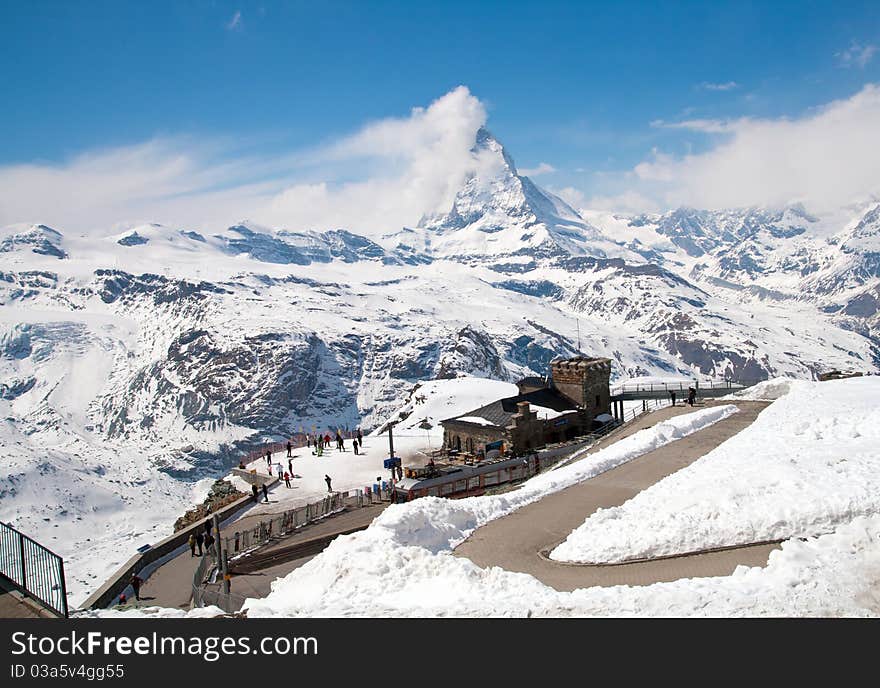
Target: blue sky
x,y
589,89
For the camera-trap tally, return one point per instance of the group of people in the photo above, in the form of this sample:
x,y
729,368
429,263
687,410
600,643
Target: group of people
x,y
320,442
691,397
199,538
315,442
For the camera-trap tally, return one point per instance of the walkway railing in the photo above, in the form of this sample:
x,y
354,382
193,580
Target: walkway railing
x,y
248,540
242,541
631,391
32,568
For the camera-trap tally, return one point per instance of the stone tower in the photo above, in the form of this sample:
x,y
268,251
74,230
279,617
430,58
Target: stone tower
x,y
586,381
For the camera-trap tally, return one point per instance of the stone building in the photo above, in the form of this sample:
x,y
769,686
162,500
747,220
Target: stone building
x,y
545,410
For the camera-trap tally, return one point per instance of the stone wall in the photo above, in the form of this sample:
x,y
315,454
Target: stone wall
x,y
471,437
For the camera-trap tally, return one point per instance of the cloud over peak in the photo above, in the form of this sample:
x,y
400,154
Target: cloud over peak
x,y
405,167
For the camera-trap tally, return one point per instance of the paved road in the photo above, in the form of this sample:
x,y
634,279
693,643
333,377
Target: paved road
x,y
517,541
11,607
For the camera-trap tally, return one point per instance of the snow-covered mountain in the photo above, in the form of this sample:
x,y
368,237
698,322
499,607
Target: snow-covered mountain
x,y
136,365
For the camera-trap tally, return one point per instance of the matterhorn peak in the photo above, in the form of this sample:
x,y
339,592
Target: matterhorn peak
x,y
499,211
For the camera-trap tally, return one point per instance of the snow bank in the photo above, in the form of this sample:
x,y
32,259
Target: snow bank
x,y
406,550
769,390
810,462
134,612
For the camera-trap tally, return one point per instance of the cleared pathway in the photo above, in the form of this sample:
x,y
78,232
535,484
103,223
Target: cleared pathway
x,y
519,541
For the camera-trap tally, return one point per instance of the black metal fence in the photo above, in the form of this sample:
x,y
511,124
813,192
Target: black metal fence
x,y
207,589
33,569
280,525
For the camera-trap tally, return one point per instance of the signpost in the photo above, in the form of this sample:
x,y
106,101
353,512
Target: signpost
x,y
392,462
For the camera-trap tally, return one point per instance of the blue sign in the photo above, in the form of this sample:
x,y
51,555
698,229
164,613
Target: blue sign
x,y
494,445
392,463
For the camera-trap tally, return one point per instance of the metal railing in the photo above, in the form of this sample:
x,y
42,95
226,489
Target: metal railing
x,y
630,391
34,569
246,541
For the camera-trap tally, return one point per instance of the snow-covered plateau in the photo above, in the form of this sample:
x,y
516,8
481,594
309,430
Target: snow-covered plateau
x,y
137,363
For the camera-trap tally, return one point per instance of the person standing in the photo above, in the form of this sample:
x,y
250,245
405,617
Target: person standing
x,y
360,438
354,443
289,449
672,396
327,480
200,538
192,544
136,581
256,493
692,396
265,493
287,479
269,460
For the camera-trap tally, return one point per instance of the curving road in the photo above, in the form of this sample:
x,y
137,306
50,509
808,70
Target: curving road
x,y
520,541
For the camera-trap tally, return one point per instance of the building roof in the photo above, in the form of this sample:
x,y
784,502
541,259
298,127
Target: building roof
x,y
532,380
500,413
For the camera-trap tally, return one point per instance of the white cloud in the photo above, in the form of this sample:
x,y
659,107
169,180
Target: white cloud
x,y
723,86
416,165
542,168
825,158
408,167
629,202
707,126
856,55
235,22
